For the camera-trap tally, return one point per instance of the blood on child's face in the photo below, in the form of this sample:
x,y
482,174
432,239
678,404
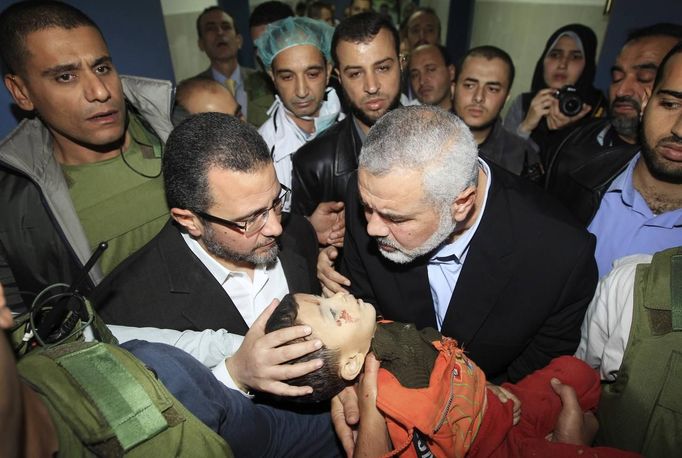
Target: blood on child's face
x,y
342,322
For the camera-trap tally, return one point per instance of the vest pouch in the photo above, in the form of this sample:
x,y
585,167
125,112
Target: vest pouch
x,y
665,425
105,402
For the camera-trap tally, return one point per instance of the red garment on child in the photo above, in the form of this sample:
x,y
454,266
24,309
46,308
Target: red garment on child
x,y
456,416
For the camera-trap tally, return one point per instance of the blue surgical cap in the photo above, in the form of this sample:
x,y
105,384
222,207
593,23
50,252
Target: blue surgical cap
x,y
294,31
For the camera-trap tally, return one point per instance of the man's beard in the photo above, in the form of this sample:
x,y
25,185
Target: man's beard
x,y
403,255
626,126
214,247
484,126
367,119
658,167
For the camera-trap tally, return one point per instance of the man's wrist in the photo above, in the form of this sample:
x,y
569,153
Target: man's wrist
x,y
232,372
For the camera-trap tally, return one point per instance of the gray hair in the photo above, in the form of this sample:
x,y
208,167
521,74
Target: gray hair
x,y
425,138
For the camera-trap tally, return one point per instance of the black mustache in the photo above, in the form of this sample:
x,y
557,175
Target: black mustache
x,y
629,100
672,140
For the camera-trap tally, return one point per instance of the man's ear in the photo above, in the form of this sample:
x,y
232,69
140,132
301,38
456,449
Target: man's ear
x,y
329,72
20,93
200,44
645,101
452,71
463,203
188,220
272,76
351,366
240,39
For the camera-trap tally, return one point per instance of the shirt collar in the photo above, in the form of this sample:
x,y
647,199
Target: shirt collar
x,y
236,76
623,183
358,129
219,271
456,251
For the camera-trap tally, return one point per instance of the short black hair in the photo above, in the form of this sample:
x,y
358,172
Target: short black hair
x,y
677,49
269,12
204,141
490,53
20,19
325,381
209,10
443,52
660,29
362,28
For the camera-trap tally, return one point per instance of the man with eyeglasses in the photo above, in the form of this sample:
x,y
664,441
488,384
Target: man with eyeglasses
x,y
226,254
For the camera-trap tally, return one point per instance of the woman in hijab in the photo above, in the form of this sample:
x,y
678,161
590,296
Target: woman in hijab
x,y
568,60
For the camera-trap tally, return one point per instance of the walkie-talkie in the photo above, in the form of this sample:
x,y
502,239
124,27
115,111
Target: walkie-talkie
x,y
56,324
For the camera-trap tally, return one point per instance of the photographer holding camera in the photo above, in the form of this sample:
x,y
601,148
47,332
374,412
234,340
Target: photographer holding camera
x,y
561,92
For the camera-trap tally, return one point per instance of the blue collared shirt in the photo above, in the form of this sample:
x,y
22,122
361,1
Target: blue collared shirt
x,y
240,93
444,273
625,225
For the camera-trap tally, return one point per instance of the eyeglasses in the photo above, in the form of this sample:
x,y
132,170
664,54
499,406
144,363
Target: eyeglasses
x,y
253,223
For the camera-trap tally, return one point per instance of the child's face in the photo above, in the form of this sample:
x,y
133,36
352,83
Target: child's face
x,y
342,322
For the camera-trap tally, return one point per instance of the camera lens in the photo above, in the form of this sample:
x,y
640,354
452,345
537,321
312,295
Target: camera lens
x,y
570,102
571,106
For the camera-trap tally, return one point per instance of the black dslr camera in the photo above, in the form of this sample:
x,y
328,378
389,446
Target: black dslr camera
x,y
570,102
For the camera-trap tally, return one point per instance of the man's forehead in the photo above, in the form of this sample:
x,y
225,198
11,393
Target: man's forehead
x,y
645,50
58,46
482,68
427,55
392,190
672,74
422,17
356,51
305,56
215,17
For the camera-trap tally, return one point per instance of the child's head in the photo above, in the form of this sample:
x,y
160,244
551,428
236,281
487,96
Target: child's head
x,y
345,326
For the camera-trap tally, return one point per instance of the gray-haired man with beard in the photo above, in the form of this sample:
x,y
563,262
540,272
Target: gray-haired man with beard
x,y
226,253
438,237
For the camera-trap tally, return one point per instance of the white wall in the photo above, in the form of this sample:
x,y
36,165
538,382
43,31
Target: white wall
x,y
522,27
180,20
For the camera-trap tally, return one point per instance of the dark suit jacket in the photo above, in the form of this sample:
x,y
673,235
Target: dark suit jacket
x,y
522,292
165,285
259,91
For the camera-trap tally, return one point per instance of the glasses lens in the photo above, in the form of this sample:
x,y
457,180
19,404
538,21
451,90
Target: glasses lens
x,y
256,223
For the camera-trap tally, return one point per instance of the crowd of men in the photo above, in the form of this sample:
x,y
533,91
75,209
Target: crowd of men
x,y
311,174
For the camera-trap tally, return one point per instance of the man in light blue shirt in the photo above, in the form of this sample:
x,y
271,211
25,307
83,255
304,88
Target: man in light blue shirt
x,y
641,211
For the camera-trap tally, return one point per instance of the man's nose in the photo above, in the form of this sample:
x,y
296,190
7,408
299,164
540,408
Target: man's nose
x,y
375,225
479,95
94,88
371,83
273,226
302,89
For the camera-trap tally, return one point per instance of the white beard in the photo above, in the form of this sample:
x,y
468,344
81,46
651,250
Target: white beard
x,y
403,255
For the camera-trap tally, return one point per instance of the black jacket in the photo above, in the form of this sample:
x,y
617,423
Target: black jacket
x,y
580,146
582,187
521,294
323,166
164,285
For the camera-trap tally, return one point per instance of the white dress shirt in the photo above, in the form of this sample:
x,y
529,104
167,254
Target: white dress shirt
x,y
250,297
605,330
